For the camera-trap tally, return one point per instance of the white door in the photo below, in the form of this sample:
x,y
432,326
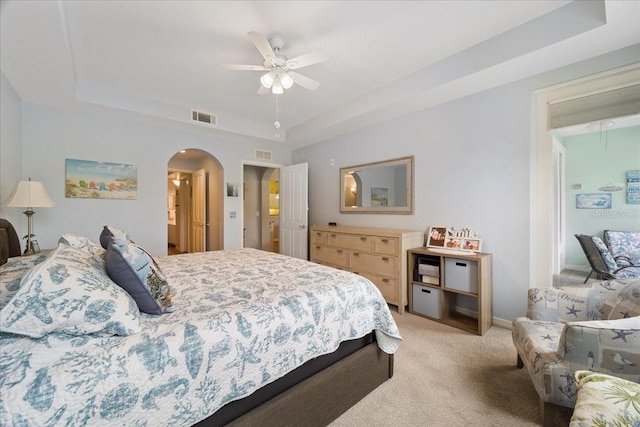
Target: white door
x,y
199,211
294,207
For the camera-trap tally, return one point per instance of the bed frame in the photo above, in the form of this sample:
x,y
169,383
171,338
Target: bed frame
x,y
316,393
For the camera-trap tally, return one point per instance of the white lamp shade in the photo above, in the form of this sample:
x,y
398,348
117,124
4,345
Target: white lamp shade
x,y
29,194
277,88
286,80
267,79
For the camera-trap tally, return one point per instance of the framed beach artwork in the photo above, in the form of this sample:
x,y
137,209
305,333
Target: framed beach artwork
x,y
87,179
379,196
593,201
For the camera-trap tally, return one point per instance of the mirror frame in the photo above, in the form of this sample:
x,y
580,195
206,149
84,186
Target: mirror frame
x,y
407,209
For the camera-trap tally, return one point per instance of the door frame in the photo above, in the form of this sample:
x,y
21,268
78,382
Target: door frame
x,y
541,187
244,163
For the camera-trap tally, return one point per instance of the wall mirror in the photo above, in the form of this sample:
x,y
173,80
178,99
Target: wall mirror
x,y
380,187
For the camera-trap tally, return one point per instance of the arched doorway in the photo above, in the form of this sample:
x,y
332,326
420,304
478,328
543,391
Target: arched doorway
x,y
185,201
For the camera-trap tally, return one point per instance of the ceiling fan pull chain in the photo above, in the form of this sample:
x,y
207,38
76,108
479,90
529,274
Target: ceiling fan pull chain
x,y
276,124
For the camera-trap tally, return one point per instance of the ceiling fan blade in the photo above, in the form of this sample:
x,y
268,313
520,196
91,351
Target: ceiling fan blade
x,y
310,58
304,81
243,67
263,90
263,46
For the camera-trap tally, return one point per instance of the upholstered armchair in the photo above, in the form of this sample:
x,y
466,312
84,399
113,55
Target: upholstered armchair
x,y
594,328
9,241
624,247
602,262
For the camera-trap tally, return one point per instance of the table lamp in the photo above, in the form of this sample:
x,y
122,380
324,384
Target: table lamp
x,y
29,194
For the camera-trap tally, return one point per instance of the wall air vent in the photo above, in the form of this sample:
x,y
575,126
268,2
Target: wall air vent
x,y
204,118
263,155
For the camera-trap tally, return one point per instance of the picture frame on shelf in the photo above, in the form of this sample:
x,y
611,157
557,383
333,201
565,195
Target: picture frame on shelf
x,y
436,236
464,239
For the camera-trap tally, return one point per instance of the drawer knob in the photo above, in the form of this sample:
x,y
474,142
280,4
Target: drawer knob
x,y
364,239
356,254
426,291
385,259
385,280
385,241
339,251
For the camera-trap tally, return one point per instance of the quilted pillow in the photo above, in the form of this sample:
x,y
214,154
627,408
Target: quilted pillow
x,y
624,303
605,400
606,255
110,232
83,243
67,293
132,268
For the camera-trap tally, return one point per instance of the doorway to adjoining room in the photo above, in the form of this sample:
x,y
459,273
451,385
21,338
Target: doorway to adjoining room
x,y
261,208
195,197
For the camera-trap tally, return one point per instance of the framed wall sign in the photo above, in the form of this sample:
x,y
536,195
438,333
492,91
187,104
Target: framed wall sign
x,y
593,201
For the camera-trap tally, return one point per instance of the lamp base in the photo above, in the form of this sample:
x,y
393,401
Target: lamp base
x,y
29,249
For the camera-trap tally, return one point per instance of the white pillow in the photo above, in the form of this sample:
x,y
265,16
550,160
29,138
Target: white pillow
x,y
69,292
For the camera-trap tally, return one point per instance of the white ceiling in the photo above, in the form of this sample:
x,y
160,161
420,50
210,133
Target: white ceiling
x,y
387,58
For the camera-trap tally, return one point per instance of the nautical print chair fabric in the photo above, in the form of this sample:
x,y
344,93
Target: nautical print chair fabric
x,y
568,329
624,246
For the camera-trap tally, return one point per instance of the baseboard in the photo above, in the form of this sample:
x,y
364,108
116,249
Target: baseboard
x,y
503,323
496,321
581,268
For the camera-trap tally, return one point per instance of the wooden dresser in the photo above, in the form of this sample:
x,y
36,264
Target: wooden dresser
x,y
378,254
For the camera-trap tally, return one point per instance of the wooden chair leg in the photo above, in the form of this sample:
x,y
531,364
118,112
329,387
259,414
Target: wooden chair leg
x,y
548,412
519,362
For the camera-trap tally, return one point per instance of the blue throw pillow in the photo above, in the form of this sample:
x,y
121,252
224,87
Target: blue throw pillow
x,y
110,232
132,268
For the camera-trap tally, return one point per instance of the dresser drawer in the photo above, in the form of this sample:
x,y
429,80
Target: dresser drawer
x,y
377,264
385,245
319,237
325,254
387,286
351,241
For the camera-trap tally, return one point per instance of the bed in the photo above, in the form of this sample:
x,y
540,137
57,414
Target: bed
x,y
246,337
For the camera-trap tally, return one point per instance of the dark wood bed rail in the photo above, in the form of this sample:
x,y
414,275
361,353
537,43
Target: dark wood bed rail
x,y
317,400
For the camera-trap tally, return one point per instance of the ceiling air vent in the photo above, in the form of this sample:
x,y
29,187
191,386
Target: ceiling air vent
x,y
204,118
263,155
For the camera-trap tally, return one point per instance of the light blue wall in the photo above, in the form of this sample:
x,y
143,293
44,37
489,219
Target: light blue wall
x,y
473,168
51,135
593,165
10,150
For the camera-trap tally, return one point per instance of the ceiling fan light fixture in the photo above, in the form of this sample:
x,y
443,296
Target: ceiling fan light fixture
x,y
277,88
286,80
268,79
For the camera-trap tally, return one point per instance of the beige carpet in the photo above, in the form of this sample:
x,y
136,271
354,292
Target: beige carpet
x,y
447,377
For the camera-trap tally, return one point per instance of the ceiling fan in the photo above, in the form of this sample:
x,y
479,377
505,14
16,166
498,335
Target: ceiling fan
x,y
279,74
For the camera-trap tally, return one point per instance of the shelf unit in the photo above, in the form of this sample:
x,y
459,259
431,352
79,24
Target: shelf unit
x,y
378,254
454,289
